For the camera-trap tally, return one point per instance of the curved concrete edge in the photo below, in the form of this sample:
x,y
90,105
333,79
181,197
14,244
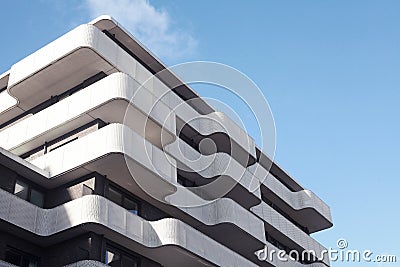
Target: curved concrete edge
x,y
102,54
228,166
297,200
83,263
106,22
98,210
82,107
6,264
86,263
250,178
221,211
118,138
83,36
280,223
226,210
119,86
210,166
205,125
7,102
214,119
31,170
114,138
90,37
48,58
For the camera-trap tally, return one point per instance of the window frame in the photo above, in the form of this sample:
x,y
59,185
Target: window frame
x,y
124,194
22,254
122,252
30,188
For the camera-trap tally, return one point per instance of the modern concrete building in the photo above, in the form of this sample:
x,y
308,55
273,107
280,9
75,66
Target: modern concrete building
x,y
98,167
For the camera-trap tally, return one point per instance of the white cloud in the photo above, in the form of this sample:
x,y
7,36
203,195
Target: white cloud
x,y
151,26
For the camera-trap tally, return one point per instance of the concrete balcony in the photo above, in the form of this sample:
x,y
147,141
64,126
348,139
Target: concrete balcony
x,y
276,224
157,240
107,99
253,179
86,51
133,163
304,206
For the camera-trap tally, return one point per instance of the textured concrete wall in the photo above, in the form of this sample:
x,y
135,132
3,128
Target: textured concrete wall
x,y
91,210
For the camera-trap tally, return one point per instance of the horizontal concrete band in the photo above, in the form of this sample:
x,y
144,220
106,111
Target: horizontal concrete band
x,y
88,36
117,138
86,51
83,263
99,210
99,101
33,79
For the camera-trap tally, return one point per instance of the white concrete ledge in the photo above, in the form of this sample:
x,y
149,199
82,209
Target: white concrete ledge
x,y
107,99
6,264
87,43
250,178
281,224
297,200
222,164
98,210
86,51
117,138
86,263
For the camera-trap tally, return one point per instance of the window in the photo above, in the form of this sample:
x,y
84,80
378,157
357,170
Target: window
x,y
114,196
116,258
36,198
24,191
21,190
123,200
113,258
64,139
19,258
131,206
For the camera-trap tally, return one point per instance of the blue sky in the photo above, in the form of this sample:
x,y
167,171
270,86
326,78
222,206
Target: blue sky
x,y
330,71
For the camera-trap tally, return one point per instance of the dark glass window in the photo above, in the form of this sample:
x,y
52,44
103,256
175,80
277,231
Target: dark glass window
x,y
123,200
113,258
36,198
117,258
6,183
114,196
24,191
21,190
19,258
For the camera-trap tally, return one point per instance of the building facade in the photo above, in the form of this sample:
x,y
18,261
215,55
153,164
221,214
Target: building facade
x,y
95,169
